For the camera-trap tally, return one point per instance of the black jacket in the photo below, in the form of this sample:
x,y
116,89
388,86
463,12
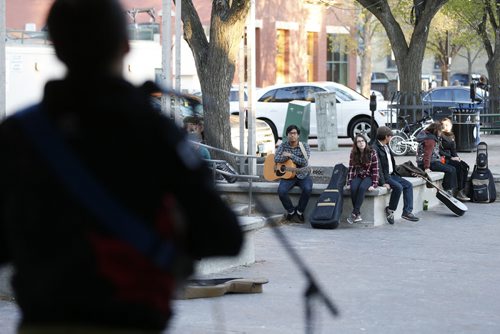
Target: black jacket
x,y
69,269
448,147
383,162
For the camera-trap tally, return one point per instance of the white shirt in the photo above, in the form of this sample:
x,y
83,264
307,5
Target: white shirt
x,y
389,158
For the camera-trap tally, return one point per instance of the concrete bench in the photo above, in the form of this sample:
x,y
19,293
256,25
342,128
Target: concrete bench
x,y
372,209
250,225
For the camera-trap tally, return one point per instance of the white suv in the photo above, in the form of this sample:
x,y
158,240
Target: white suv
x,y
353,111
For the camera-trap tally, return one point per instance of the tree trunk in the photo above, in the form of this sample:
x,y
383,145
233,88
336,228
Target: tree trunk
x,y
215,63
493,68
366,70
409,56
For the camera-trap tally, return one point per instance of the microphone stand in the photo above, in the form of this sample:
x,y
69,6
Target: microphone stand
x,y
313,290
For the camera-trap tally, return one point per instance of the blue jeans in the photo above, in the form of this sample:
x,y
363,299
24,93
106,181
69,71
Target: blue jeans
x,y
358,190
450,174
304,184
398,186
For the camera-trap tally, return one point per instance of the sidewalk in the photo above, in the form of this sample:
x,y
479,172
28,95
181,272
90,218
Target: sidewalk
x,y
440,275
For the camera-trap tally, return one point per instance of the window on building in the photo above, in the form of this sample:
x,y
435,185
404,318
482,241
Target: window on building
x,y
337,58
312,42
281,56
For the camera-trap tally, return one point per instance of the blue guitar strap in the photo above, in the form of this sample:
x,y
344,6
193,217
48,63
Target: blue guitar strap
x,y
117,219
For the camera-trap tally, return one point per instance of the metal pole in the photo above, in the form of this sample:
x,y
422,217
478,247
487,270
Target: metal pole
x,y
166,43
252,165
178,33
3,77
241,78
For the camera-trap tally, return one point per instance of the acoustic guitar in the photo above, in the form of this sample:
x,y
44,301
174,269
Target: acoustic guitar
x,y
451,202
285,170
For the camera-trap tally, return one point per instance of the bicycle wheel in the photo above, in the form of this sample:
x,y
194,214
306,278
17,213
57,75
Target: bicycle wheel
x,y
397,144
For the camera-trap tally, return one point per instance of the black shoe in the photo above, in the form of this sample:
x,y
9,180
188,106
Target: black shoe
x,y
289,215
410,216
300,216
389,214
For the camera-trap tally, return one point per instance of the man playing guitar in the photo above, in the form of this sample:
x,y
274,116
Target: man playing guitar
x,y
299,154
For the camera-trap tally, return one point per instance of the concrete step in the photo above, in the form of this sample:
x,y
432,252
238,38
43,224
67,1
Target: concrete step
x,y
249,225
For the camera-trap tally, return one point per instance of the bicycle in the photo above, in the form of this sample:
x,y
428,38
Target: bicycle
x,y
404,140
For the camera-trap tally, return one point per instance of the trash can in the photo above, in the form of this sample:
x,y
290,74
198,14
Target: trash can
x,y
298,113
466,127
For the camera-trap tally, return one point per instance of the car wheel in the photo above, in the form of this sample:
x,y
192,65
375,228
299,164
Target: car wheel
x,y
361,126
273,129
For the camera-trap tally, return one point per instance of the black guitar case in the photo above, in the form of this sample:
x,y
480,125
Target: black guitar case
x,y
328,209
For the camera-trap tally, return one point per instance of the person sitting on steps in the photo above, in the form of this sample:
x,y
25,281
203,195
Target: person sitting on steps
x,y
363,175
428,157
448,149
299,153
389,178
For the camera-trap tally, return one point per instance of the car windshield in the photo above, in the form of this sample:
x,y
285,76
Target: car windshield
x,y
346,94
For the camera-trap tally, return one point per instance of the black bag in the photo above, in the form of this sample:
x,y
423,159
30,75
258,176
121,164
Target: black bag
x,y
482,155
482,188
225,167
328,209
408,169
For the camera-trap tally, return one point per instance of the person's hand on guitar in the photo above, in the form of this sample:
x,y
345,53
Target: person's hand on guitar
x,y
287,154
427,170
371,188
387,186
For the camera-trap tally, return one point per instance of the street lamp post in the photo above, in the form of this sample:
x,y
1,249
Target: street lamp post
x,y
3,35
166,53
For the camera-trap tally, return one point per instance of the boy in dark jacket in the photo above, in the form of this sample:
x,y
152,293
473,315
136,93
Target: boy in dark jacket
x,y
391,180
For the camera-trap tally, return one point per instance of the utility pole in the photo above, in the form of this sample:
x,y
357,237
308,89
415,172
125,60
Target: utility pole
x,y
3,77
178,31
251,75
166,46
178,35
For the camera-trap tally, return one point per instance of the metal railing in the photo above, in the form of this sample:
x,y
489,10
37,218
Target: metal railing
x,y
248,177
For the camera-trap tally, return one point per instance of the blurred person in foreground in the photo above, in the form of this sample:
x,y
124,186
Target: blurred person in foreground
x,y
72,275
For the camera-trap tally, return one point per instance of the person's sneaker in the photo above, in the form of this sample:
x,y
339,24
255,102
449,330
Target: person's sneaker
x,y
351,218
410,216
389,214
289,215
300,216
462,197
358,218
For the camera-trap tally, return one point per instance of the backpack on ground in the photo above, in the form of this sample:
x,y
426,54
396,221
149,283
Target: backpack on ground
x,y
482,155
482,189
326,214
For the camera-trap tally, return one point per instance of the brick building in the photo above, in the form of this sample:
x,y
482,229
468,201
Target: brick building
x,y
296,41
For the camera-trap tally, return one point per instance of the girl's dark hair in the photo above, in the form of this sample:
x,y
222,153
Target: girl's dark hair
x,y
361,158
446,133
434,128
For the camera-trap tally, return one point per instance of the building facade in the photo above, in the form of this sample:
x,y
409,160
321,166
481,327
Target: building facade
x,y
295,40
